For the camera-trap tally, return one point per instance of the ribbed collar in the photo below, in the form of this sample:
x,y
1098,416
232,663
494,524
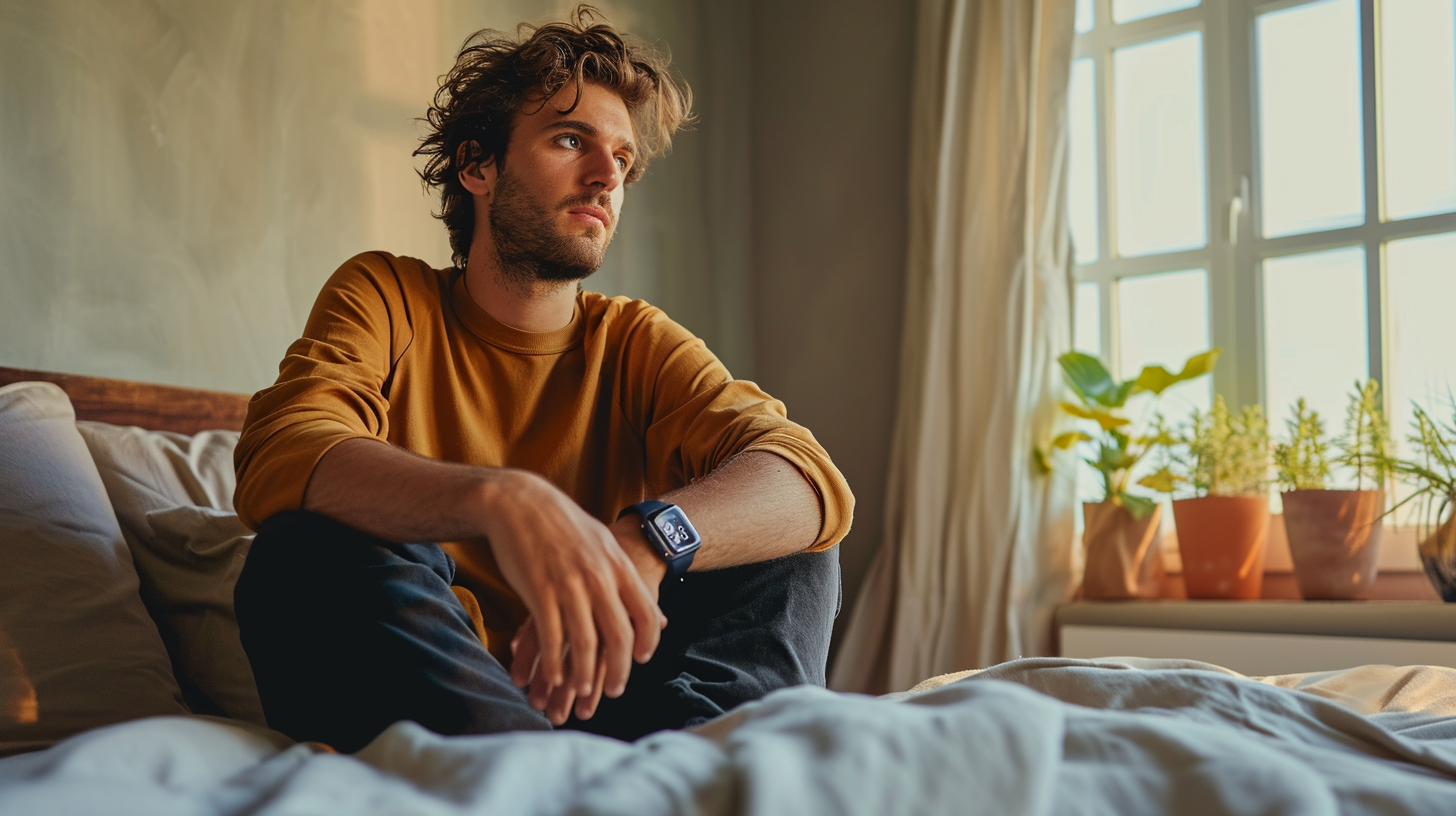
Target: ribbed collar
x,y
498,334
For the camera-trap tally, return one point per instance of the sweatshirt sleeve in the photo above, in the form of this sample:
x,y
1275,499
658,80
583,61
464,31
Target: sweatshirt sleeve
x,y
695,416
330,387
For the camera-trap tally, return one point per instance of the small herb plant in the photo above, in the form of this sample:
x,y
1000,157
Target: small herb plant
x,y
1302,463
1227,453
1365,445
1119,443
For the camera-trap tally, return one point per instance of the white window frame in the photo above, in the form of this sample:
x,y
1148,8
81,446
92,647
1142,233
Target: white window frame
x,y
1236,251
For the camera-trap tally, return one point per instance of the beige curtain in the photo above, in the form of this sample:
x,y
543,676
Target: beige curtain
x,y
978,545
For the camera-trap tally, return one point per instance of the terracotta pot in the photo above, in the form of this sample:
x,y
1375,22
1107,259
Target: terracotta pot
x,y
1334,538
1222,540
1124,554
1438,556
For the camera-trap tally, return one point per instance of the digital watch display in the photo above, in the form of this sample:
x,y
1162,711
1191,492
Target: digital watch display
x,y
669,532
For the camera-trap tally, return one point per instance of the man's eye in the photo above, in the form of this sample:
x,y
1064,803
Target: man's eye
x,y
569,140
622,162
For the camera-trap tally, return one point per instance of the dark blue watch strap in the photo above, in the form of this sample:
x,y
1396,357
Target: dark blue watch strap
x,y
677,565
642,508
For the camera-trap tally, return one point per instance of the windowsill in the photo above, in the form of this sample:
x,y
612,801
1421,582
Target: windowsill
x,y
1412,620
1262,638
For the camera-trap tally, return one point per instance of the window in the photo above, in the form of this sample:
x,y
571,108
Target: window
x,y
1275,177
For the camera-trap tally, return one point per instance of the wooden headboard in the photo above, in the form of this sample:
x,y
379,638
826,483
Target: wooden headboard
x,y
155,407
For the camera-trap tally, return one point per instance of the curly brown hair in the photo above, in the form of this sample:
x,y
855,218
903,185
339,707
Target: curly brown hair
x,y
496,76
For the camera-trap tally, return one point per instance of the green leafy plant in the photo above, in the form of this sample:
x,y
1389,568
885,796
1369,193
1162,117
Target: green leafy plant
x,y
1365,445
1119,443
1227,454
1431,472
1302,463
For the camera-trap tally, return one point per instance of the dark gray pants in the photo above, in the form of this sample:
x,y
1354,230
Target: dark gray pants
x,y
347,634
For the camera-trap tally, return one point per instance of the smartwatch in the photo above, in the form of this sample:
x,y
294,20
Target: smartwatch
x,y
669,532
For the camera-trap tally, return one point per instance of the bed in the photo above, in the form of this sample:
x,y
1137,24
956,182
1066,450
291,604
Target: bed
x,y
121,690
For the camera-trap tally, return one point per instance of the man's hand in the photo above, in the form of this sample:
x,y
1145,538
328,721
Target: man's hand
x,y
584,595
559,701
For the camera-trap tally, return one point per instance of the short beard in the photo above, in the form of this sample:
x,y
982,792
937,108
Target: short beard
x,y
529,250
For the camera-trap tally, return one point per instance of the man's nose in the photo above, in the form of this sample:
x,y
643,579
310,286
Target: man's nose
x,y
603,172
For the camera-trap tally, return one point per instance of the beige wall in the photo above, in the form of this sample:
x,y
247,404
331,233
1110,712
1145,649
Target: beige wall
x,y
831,89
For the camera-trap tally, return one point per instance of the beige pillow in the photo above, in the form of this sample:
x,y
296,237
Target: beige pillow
x,y
153,470
189,569
79,649
172,494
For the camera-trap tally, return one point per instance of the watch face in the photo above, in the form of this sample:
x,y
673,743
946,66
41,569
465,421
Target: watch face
x,y
676,531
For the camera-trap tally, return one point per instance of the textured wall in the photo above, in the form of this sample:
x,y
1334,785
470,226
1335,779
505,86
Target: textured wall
x,y
177,178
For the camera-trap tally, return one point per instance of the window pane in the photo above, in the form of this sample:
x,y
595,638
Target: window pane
x,y
1125,11
1420,284
1310,134
1085,18
1082,180
1316,333
1163,319
1087,321
1158,118
1418,84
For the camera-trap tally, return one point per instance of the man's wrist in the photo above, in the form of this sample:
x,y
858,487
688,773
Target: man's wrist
x,y
500,490
628,532
489,488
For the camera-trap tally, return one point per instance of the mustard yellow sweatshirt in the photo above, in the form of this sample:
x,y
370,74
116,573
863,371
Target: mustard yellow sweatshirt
x,y
619,406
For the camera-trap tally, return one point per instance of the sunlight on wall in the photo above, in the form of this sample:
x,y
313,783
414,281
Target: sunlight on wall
x,y
404,53
401,49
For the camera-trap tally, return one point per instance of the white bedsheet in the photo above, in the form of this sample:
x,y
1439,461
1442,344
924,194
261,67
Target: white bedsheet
x,y
1028,737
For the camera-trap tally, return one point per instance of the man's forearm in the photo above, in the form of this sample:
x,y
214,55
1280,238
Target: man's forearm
x,y
754,507
396,495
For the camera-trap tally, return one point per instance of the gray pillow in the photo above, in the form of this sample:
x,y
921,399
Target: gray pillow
x,y
172,494
189,568
77,648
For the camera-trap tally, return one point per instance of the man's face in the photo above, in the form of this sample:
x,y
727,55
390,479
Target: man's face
x,y
556,199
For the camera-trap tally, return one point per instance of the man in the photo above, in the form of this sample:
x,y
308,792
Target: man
x,y
560,446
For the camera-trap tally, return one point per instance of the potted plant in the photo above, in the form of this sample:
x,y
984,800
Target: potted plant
x,y
1334,535
1432,474
1223,530
1122,543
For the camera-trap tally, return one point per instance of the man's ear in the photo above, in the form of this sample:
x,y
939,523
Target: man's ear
x,y
477,171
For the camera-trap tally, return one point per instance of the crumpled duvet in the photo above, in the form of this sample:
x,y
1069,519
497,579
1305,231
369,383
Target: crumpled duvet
x,y
1039,736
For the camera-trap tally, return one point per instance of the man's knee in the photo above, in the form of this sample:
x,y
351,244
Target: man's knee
x,y
301,545
775,614
306,526
817,573
347,633
808,583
